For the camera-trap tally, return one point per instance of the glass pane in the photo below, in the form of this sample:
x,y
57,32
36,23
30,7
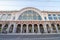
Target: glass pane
x,y
29,15
39,18
55,18
50,18
49,14
8,16
3,17
54,15
45,18
58,14
59,18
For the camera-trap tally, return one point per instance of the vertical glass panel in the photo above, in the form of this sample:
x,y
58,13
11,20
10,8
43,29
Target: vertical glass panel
x,y
39,18
29,17
54,14
59,16
24,17
3,17
34,17
8,16
45,18
50,18
49,14
55,18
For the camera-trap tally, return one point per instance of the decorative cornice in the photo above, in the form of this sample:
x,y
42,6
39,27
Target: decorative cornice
x,y
29,8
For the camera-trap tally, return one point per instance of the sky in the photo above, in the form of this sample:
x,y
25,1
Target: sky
x,y
47,5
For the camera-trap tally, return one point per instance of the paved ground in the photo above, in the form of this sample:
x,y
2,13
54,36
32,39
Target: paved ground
x,y
30,37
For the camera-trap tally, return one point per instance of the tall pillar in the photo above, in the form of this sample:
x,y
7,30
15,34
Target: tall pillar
x,y
38,29
33,28
45,28
21,27
27,28
8,28
56,28
2,27
14,28
50,28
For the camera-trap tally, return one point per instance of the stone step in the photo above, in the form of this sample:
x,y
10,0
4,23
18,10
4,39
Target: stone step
x,y
30,37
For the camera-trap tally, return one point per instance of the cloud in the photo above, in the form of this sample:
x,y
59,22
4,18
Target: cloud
x,y
40,4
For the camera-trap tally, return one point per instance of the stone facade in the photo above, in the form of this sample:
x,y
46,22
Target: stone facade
x,y
14,24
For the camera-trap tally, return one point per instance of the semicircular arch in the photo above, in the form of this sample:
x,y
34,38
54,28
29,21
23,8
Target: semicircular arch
x,y
29,14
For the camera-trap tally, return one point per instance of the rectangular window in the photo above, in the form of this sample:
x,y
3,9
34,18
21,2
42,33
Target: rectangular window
x,y
50,18
54,14
59,16
24,17
39,17
3,17
45,18
55,18
49,14
8,16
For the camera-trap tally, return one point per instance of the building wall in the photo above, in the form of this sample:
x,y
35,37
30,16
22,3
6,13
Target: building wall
x,y
14,20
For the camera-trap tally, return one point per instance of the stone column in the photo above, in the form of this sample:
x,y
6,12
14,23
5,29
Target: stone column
x,y
38,29
8,28
32,28
27,28
50,28
45,28
14,28
21,27
2,27
56,28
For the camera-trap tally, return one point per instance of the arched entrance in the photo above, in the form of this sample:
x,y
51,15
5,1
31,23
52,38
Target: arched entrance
x,y
48,28
18,29
58,27
4,28
41,28
30,28
35,28
54,28
11,28
24,28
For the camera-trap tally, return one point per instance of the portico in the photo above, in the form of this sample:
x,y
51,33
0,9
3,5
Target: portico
x,y
29,27
29,20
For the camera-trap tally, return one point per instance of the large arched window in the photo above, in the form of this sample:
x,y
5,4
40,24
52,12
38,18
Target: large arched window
x,y
29,15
